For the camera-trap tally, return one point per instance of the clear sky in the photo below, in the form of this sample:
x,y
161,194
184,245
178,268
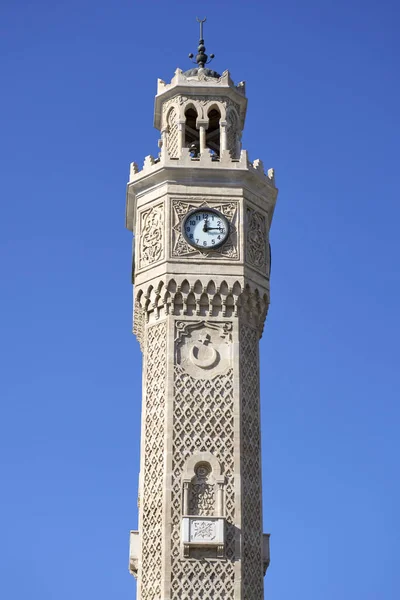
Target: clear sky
x,y
76,107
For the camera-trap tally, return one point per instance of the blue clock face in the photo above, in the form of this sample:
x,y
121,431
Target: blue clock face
x,y
205,228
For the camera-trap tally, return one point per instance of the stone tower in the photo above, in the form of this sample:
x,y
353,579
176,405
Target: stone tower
x,y
201,214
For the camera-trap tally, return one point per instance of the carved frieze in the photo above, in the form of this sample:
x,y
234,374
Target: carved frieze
x,y
206,299
256,239
180,247
151,236
202,101
204,348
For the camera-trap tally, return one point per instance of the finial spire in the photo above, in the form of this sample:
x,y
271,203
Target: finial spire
x,y
201,21
201,57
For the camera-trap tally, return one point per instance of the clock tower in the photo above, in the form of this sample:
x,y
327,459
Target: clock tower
x,y
201,213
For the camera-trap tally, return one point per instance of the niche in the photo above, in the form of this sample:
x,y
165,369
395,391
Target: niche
x,y
203,487
203,522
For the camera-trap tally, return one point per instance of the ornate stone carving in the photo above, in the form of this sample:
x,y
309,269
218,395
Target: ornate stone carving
x,y
204,348
180,247
153,490
203,421
202,496
138,322
203,101
151,236
208,100
204,299
172,134
232,132
256,239
252,556
202,530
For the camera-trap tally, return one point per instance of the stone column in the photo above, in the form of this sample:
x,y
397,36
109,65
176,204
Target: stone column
x,y
164,143
181,136
220,500
202,127
223,140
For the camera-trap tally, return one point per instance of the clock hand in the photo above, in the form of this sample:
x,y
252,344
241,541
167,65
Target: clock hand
x,y
205,228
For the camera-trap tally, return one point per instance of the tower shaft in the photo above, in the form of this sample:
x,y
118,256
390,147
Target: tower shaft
x,y
201,214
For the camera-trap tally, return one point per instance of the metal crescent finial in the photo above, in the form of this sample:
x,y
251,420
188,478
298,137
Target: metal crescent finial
x,y
201,21
201,57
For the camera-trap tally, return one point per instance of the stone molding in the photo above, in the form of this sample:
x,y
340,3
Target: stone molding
x,y
151,164
203,171
202,80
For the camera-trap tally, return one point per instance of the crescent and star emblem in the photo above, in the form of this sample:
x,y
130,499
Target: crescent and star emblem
x,y
211,357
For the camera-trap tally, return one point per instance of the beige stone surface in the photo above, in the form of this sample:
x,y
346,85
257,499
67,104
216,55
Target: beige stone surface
x,y
199,315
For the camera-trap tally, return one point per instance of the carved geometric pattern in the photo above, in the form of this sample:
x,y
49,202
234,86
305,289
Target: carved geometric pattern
x,y
152,501
256,239
252,568
180,247
152,236
203,422
202,494
203,530
231,133
172,139
138,322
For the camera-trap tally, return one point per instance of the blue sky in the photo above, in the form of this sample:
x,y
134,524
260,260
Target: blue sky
x,y
76,107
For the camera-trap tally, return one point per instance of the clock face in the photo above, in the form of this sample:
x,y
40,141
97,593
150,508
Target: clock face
x,y
205,228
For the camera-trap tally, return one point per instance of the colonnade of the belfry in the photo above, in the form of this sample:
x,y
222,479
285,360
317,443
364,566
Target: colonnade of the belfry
x,y
174,125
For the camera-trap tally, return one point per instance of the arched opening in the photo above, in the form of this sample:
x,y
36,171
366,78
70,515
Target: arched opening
x,y
213,133
191,133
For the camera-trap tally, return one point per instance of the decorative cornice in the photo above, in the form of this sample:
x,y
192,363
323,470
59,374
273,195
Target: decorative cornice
x,y
196,298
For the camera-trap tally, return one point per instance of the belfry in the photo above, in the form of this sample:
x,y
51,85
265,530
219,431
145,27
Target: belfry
x,y
200,213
